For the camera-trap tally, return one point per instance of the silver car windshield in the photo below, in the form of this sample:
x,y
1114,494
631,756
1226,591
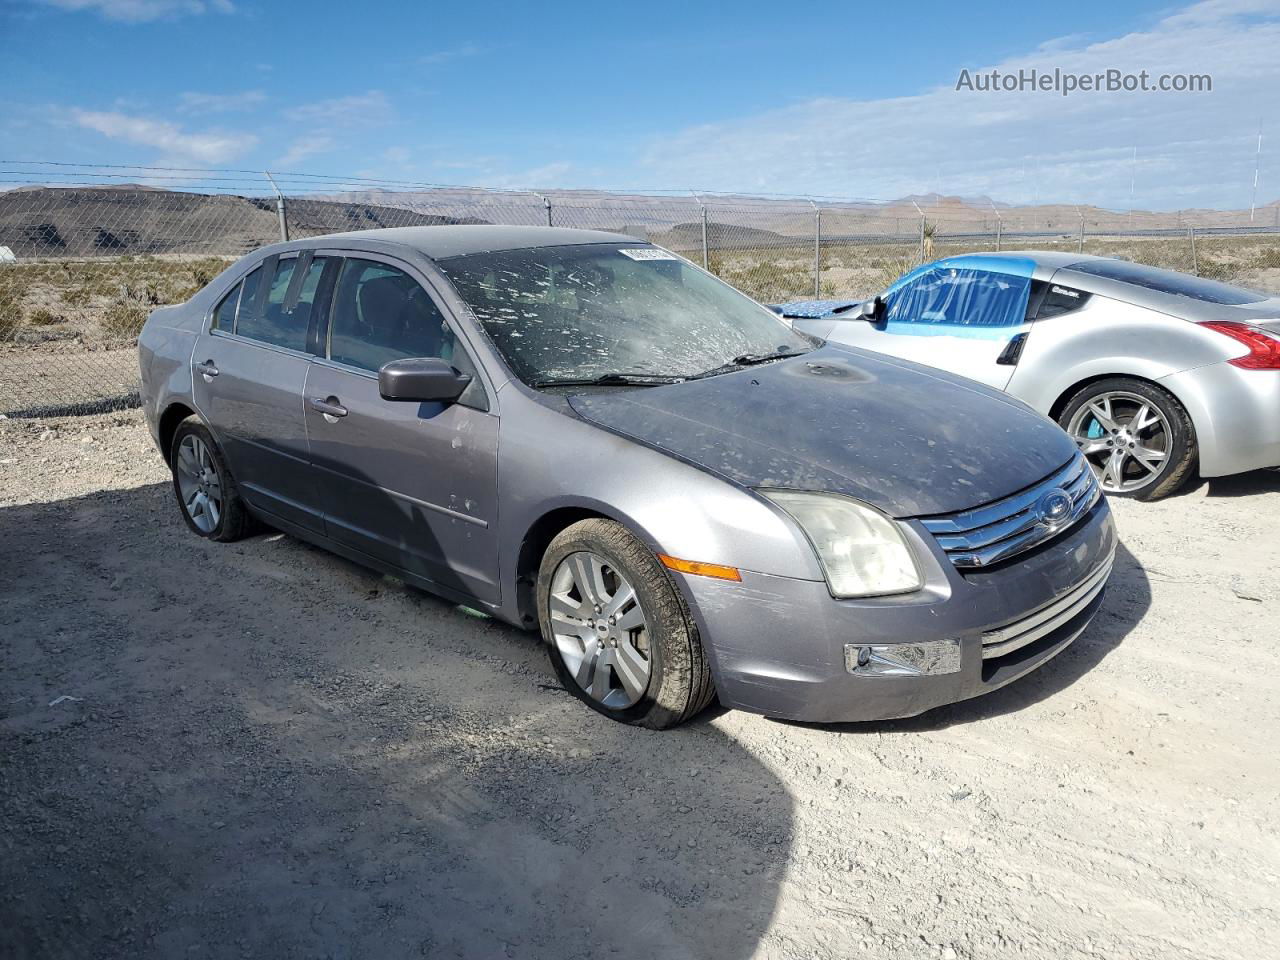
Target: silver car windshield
x,y
591,311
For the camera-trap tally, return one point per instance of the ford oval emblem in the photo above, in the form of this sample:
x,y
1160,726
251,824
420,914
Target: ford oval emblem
x,y
1054,507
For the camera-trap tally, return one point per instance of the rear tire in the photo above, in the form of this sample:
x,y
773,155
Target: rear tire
x,y
207,494
1137,437
618,632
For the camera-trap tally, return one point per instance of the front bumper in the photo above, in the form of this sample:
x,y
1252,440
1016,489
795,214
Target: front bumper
x,y
778,645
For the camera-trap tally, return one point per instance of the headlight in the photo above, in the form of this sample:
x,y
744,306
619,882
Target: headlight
x,y
861,550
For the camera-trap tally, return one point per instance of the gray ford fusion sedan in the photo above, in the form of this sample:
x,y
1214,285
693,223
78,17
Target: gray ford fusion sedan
x,y
585,434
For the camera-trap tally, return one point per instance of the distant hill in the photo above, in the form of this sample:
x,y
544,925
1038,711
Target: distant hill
x,y
130,219
92,221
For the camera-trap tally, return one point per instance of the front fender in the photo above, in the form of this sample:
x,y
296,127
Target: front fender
x,y
549,459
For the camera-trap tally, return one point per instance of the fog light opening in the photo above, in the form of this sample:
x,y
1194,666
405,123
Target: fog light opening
x,y
930,659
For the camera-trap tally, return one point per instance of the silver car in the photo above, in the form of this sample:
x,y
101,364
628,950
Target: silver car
x,y
587,435
1154,373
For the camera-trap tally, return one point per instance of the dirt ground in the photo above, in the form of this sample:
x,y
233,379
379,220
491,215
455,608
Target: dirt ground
x,y
260,750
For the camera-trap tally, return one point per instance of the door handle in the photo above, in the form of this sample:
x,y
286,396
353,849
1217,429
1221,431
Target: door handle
x,y
1012,352
330,407
208,370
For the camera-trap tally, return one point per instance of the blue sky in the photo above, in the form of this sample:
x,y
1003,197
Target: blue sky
x,y
825,98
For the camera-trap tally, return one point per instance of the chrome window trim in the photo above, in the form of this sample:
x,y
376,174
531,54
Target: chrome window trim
x,y
273,347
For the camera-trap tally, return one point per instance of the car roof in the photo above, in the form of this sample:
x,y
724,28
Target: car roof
x,y
1052,259
457,240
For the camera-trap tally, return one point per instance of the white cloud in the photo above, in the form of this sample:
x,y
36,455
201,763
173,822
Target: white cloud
x,y
176,145
304,148
548,176
192,102
363,109
454,53
138,11
1193,148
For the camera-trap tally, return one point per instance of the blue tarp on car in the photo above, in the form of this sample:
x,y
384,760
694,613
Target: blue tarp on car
x,y
811,309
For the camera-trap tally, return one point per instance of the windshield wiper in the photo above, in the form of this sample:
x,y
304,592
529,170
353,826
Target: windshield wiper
x,y
749,360
610,380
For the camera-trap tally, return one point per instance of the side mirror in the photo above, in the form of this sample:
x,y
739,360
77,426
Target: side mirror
x,y
871,310
420,379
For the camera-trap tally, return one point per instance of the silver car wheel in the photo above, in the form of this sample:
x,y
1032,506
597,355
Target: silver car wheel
x,y
1125,438
600,630
199,485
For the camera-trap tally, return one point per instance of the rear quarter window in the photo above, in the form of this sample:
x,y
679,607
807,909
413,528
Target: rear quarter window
x,y
224,314
1168,281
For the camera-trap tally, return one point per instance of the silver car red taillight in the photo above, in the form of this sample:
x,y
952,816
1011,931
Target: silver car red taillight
x,y
1264,349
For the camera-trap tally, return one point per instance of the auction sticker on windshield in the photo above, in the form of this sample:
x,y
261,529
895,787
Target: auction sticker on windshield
x,y
647,253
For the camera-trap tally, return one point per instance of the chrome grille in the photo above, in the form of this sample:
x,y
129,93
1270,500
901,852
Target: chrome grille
x,y
988,534
1016,635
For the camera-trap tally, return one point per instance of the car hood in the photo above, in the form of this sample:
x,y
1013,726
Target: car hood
x,y
907,439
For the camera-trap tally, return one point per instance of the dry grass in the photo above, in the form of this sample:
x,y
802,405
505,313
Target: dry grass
x,y
105,300
98,301
860,270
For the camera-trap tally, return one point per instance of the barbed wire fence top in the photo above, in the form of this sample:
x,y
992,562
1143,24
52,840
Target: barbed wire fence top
x,y
86,252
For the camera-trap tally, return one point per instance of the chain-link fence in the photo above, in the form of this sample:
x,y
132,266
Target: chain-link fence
x,y
83,262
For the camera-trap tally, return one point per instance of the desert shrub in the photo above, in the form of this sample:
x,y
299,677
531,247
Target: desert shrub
x,y
124,316
44,317
889,269
123,319
1221,270
1268,259
76,296
11,312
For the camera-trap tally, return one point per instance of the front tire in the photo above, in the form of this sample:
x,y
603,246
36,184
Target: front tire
x,y
618,632
1137,437
207,494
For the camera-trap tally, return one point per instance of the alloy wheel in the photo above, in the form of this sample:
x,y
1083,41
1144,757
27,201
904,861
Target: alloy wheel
x,y
1125,438
199,485
600,630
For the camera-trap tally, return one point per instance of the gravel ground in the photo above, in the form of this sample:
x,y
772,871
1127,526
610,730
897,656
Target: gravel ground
x,y
260,750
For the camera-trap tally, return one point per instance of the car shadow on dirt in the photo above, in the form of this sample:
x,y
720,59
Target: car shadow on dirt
x,y
259,749
1127,599
1241,484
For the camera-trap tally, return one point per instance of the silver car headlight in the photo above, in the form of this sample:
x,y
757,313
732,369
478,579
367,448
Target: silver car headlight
x,y
862,552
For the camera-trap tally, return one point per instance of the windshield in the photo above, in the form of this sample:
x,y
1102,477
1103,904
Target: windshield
x,y
587,311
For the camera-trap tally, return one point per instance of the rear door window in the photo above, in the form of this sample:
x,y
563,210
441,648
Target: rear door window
x,y
285,315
